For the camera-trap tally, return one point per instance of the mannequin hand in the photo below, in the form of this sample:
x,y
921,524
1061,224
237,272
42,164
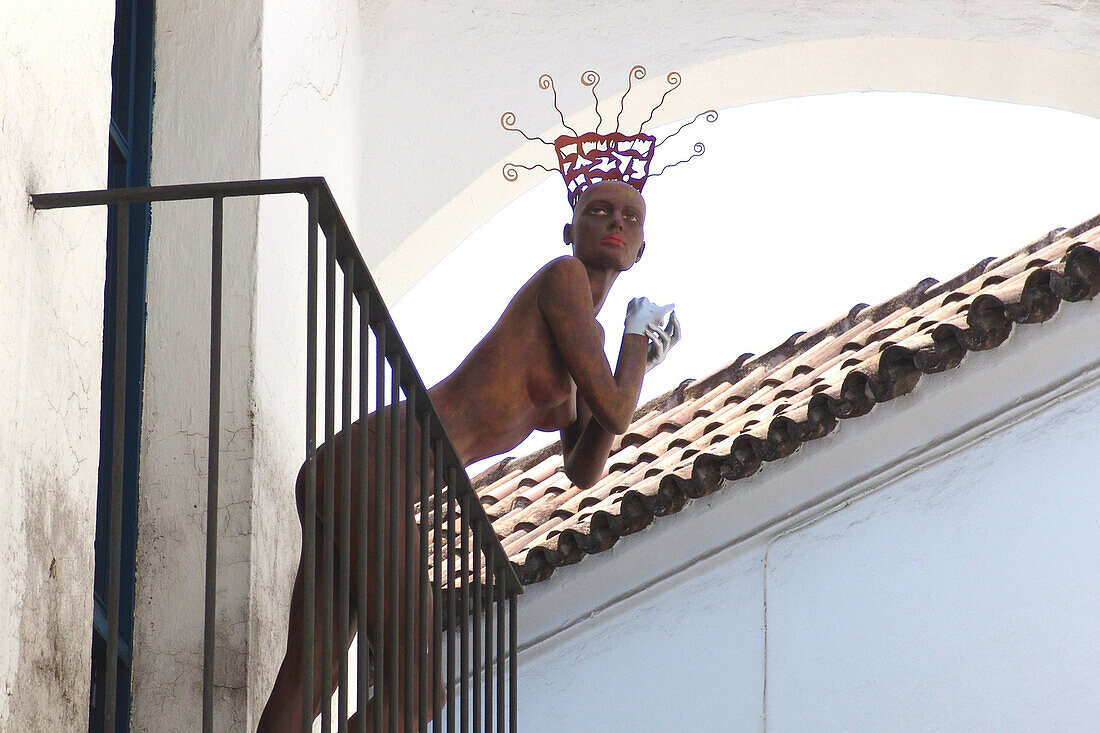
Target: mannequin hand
x,y
661,340
642,314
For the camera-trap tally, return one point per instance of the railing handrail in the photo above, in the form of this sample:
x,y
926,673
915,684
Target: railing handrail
x,y
179,192
324,214
346,247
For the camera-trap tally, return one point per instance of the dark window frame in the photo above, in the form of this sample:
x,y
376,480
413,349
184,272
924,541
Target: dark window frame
x,y
129,141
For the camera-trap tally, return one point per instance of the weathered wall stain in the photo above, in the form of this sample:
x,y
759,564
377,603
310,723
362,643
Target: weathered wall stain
x,y
50,689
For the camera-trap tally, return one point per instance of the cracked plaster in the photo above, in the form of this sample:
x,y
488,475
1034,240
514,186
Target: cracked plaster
x,y
57,92
204,61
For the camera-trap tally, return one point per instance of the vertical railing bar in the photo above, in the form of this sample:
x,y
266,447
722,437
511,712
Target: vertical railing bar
x,y
425,695
475,630
212,469
114,527
490,576
362,616
309,522
501,578
464,614
513,580
409,594
513,668
437,570
378,546
328,517
499,585
343,620
393,546
452,510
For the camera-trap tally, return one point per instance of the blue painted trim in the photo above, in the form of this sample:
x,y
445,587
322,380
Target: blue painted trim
x,y
129,139
99,625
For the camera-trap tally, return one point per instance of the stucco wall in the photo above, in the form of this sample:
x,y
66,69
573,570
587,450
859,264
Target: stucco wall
x,y
205,128
961,597
313,121
55,83
931,566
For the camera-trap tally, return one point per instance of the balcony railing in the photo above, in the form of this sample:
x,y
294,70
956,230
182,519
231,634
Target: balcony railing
x,y
424,530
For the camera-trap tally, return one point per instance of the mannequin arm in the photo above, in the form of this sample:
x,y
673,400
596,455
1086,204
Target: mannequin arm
x,y
565,301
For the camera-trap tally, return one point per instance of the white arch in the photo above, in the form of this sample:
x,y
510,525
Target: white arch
x,y
993,71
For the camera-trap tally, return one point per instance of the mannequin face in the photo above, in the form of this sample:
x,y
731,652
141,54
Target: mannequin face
x,y
606,230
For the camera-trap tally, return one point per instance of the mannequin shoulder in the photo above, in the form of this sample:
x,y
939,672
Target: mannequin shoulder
x,y
564,266
563,277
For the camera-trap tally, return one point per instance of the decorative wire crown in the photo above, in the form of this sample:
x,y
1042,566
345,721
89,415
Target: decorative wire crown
x,y
585,160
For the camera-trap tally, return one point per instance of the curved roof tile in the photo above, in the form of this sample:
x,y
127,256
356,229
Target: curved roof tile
x,y
686,443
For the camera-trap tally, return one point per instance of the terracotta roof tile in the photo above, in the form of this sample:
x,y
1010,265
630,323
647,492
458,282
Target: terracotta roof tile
x,y
686,443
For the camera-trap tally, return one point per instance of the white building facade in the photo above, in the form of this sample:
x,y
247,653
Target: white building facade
x,y
397,105
932,565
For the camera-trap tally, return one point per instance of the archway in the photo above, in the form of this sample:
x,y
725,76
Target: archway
x,y
986,70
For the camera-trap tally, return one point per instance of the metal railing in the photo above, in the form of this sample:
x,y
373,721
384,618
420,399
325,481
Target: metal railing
x,y
425,528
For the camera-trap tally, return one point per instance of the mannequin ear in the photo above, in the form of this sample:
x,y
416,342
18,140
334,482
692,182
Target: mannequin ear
x,y
567,234
642,249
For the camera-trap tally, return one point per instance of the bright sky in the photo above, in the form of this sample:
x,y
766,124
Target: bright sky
x,y
799,209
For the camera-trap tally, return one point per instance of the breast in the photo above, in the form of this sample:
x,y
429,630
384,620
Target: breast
x,y
552,391
558,417
548,380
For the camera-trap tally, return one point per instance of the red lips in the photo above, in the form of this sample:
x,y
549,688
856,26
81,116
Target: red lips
x,y
614,239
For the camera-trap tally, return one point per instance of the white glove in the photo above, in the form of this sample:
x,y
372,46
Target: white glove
x,y
645,317
661,340
642,313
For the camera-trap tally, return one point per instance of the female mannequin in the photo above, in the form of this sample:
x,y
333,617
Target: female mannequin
x,y
541,367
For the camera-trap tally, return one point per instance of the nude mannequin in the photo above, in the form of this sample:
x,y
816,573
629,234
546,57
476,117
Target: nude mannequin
x,y
541,367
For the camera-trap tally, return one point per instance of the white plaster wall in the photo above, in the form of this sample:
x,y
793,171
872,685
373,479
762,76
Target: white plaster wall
x,y
686,656
313,123
205,128
930,566
55,85
963,596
